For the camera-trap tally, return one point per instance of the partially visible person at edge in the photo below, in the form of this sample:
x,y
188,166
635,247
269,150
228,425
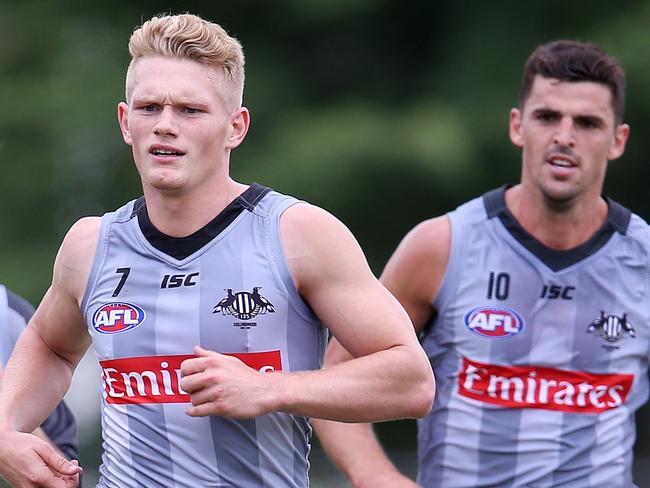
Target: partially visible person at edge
x,y
60,428
532,302
193,293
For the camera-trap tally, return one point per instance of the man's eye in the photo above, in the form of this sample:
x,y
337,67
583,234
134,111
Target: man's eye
x,y
547,117
191,110
586,123
149,108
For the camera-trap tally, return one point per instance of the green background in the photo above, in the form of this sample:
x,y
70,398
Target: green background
x,y
383,112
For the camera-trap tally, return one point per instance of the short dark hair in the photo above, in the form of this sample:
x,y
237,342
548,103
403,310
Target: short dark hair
x,y
576,61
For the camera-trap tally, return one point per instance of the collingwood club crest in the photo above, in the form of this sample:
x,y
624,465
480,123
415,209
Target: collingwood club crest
x,y
612,328
244,305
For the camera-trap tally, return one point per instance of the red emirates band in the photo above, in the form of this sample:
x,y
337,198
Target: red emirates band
x,y
156,379
545,388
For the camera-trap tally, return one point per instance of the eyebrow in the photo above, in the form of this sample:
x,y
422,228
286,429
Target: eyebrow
x,y
595,119
182,101
545,111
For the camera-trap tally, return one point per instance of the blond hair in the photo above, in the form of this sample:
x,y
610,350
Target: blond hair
x,y
191,37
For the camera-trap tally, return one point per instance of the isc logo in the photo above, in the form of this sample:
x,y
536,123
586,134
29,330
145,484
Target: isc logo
x,y
494,321
178,280
115,317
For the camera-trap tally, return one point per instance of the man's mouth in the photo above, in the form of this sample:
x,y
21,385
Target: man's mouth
x,y
562,159
166,152
563,163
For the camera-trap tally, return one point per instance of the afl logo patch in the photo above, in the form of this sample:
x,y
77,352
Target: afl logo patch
x,y
494,322
116,317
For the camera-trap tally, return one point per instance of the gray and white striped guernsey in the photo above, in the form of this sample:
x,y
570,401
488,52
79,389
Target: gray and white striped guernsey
x,y
541,356
150,299
15,312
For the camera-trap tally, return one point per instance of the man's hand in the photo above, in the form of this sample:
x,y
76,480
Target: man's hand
x,y
223,385
27,462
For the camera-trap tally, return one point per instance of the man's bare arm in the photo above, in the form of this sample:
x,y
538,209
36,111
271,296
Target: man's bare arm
x,y
40,369
333,277
413,275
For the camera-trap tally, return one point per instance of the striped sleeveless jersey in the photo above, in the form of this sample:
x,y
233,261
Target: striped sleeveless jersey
x,y
150,299
541,356
15,312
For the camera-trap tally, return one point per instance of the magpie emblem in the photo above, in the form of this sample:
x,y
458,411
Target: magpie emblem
x,y
244,305
612,328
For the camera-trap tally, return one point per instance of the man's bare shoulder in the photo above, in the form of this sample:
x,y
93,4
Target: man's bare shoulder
x,y
308,230
58,319
83,230
76,254
305,217
427,243
320,250
416,269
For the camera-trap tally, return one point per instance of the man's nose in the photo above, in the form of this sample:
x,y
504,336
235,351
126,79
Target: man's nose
x,y
165,122
565,133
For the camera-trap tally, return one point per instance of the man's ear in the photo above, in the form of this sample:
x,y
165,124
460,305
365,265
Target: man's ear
x,y
617,147
239,123
123,120
516,136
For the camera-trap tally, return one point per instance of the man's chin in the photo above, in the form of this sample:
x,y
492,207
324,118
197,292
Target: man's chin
x,y
560,198
166,184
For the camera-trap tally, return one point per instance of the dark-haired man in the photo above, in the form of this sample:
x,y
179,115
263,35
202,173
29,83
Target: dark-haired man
x,y
532,305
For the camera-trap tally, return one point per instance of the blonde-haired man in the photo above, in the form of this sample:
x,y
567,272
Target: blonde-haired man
x,y
189,36
203,301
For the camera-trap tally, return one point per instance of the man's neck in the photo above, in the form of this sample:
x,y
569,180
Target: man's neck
x,y
179,214
559,229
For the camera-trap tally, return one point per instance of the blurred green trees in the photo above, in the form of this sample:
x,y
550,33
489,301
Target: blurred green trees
x,y
383,112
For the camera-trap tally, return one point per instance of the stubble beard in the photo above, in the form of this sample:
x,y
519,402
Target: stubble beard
x,y
560,200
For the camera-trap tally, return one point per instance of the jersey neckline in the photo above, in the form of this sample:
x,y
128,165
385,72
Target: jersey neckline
x,y
182,247
618,219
